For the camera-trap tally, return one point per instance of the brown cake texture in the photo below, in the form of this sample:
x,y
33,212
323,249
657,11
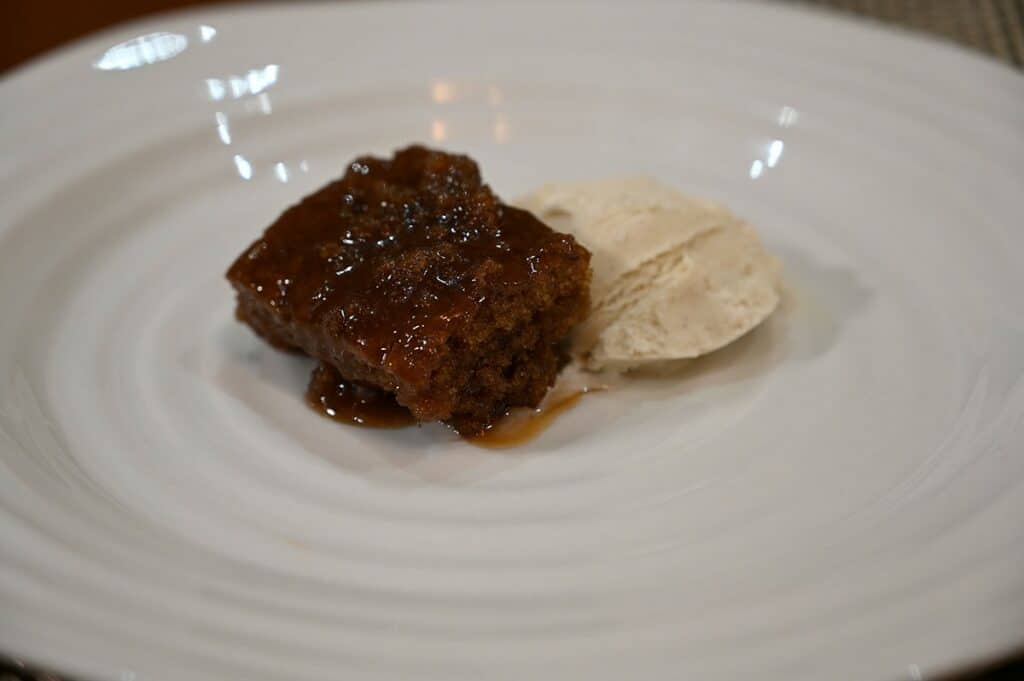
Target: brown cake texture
x,y
409,275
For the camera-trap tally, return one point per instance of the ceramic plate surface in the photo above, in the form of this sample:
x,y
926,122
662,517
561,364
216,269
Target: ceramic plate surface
x,y
839,495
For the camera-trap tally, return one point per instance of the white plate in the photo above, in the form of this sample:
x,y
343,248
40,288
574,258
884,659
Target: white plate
x,y
839,496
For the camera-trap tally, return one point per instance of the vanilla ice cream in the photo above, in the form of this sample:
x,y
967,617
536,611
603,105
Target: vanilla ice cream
x,y
674,277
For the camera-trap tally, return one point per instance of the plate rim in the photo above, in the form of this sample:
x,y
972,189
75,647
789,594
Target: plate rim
x,y
74,51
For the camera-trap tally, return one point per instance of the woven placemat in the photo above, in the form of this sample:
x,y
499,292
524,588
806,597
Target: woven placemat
x,y
995,27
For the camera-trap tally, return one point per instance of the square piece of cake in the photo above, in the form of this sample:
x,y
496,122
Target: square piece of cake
x,y
409,275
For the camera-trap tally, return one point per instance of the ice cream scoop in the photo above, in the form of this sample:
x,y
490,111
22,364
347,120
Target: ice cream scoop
x,y
674,277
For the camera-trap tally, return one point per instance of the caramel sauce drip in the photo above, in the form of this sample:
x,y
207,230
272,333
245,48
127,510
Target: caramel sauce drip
x,y
341,400
360,405
523,425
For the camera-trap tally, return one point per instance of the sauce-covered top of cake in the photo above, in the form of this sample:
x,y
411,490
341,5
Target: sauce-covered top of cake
x,y
409,275
396,254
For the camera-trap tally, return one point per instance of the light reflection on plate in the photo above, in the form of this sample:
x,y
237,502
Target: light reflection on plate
x,y
142,51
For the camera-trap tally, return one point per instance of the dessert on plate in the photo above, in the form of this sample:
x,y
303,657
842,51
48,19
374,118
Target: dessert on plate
x,y
424,297
409,276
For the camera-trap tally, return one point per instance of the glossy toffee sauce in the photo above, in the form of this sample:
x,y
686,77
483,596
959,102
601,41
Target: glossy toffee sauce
x,y
354,404
396,255
522,425
341,400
